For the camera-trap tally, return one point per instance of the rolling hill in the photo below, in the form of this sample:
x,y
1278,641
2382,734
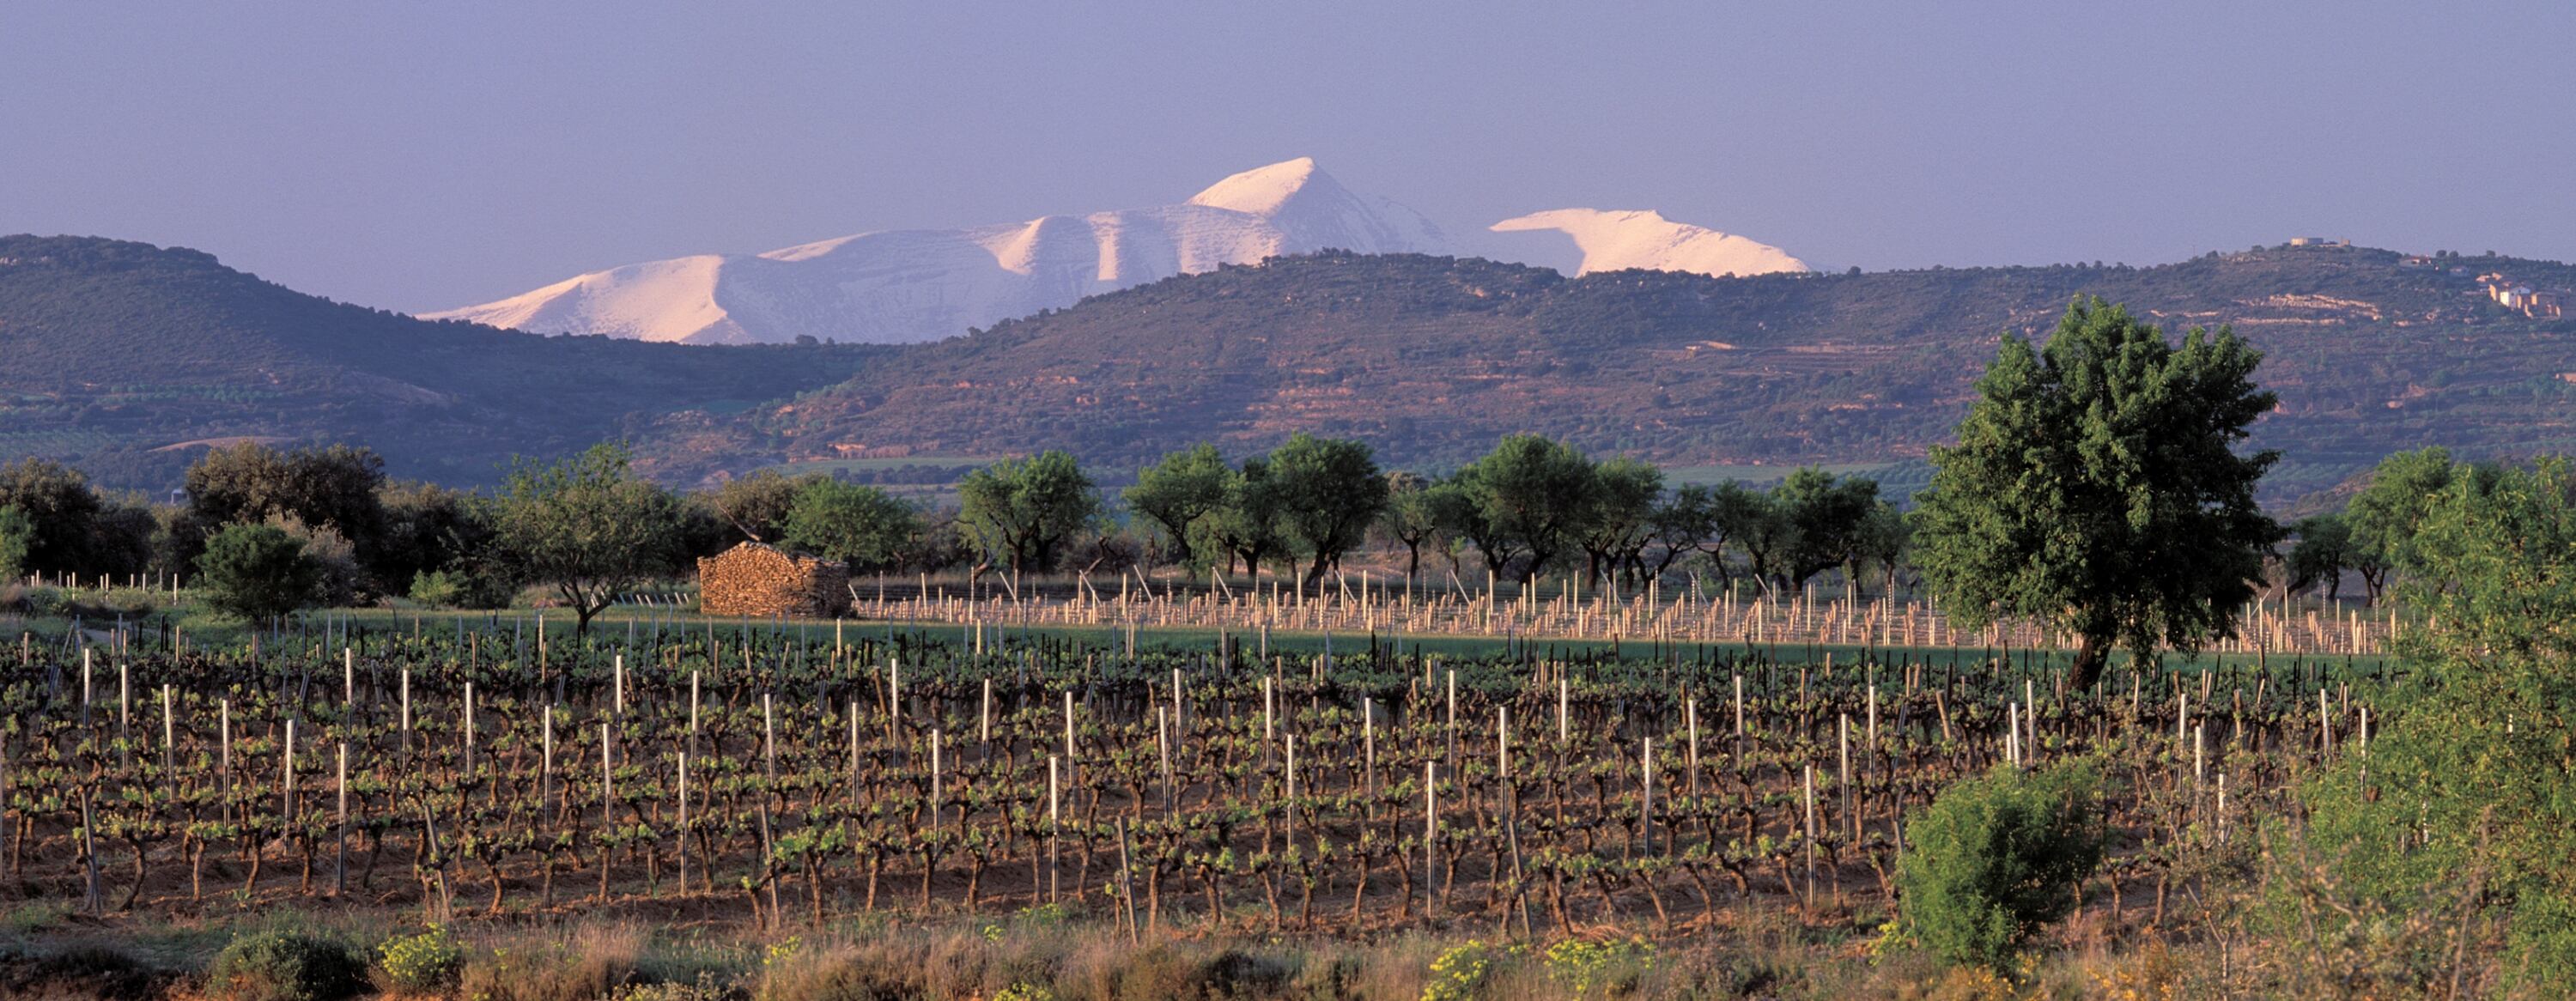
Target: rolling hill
x,y
1431,358
123,358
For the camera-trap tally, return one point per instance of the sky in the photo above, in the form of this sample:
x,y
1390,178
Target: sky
x,y
424,156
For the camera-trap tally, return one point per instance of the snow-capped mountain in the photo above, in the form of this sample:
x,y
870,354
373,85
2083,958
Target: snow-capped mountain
x,y
1615,241
901,286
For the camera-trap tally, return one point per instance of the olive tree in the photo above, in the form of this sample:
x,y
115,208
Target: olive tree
x,y
1330,492
588,527
861,526
1176,493
1021,511
2097,487
1529,494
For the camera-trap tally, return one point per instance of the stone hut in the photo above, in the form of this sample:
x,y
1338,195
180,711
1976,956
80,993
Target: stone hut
x,y
760,580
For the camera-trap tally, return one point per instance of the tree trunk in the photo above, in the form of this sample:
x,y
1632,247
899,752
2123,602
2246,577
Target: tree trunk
x,y
2091,655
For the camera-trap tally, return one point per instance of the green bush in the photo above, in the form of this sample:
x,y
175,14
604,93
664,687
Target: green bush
x,y
17,537
1600,969
1995,859
257,573
285,966
427,961
436,589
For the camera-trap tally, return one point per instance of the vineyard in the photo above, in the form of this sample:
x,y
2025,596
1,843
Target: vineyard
x,y
1364,603
804,774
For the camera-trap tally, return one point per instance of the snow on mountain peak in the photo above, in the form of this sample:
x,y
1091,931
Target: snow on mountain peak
x,y
1619,240
919,285
1263,191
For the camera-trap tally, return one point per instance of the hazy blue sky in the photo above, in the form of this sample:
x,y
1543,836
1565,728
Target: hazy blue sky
x,y
417,156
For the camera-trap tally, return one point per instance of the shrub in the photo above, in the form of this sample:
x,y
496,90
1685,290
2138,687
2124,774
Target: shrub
x,y
1600,969
285,966
1458,972
427,961
257,573
1995,859
436,589
589,964
17,536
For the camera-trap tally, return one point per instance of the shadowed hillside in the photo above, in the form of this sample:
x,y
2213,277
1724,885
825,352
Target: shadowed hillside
x,y
1432,358
117,356
112,353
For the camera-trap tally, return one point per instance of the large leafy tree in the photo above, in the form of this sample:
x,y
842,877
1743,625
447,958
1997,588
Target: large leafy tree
x,y
1331,491
1711,519
334,488
757,505
433,529
1252,524
17,535
1412,518
861,526
2388,512
1531,492
1021,511
1817,522
2322,552
588,527
2462,805
1179,491
61,510
2097,487
1618,513
257,573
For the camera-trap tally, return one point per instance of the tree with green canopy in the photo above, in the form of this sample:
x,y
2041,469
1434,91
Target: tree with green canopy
x,y
1709,519
1020,511
2096,488
2461,804
757,505
1330,491
17,536
2320,551
1529,493
1412,517
1251,525
861,526
257,573
334,488
62,510
2388,512
1818,521
1618,514
587,527
1178,491
1886,541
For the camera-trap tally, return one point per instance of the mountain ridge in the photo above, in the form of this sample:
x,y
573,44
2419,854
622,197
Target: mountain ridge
x,y
908,286
121,357
124,358
1432,358
1642,239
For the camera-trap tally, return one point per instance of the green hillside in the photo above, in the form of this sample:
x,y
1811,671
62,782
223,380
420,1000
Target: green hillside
x,y
1431,358
114,355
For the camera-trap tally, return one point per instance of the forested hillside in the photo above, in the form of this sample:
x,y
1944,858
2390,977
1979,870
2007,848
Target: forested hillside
x,y
1432,358
116,355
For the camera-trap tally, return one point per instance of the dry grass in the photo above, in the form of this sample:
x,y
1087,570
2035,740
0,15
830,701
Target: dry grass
x,y
583,965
